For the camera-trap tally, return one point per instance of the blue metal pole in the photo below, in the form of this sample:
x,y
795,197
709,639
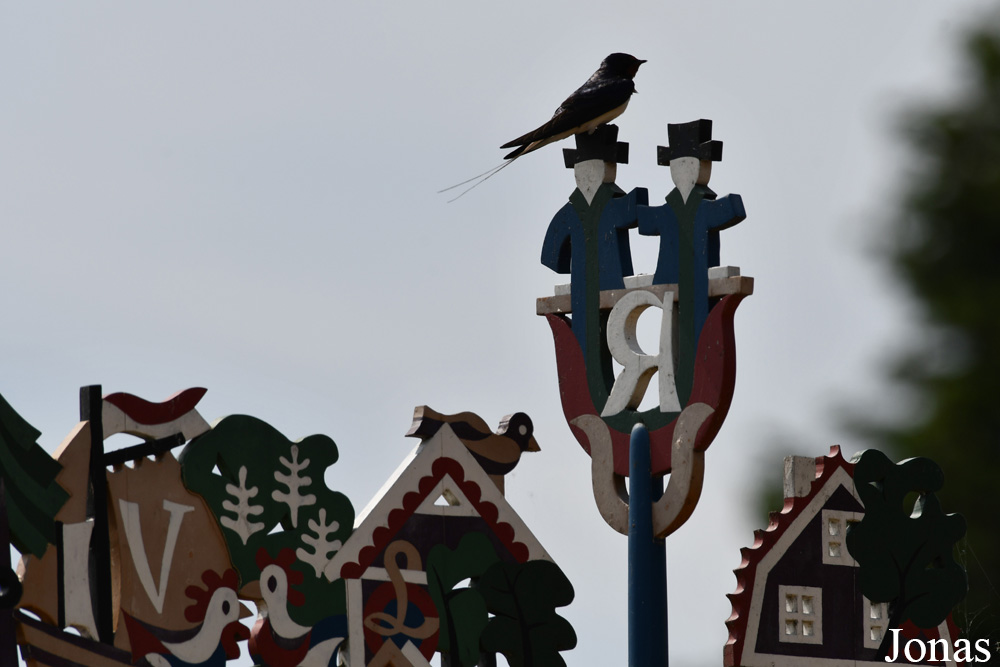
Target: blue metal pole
x,y
647,577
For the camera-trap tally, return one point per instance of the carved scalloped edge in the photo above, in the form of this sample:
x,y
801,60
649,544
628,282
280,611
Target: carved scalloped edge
x,y
382,535
763,541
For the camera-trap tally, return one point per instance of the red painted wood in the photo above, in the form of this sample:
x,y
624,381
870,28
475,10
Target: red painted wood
x,y
714,383
147,412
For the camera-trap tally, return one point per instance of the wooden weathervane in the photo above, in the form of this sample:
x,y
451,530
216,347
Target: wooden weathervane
x,y
139,557
594,325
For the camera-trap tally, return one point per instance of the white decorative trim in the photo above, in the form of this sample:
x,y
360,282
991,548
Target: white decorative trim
x,y
458,504
409,576
417,465
354,650
76,575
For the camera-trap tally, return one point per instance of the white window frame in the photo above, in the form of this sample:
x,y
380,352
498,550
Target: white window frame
x,y
800,614
876,616
834,537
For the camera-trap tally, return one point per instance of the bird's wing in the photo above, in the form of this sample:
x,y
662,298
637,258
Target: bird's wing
x,y
586,104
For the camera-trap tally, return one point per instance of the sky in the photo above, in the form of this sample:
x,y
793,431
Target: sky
x,y
243,196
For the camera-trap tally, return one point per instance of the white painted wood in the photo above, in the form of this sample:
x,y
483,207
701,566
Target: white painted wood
x,y
417,465
275,602
800,471
639,366
295,481
638,280
876,620
320,543
223,609
687,472
684,173
458,504
800,614
720,272
114,420
355,649
589,176
409,576
133,534
562,304
243,509
413,654
834,537
609,488
76,577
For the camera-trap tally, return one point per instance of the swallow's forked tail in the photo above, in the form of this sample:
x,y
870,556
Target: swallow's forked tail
x,y
477,180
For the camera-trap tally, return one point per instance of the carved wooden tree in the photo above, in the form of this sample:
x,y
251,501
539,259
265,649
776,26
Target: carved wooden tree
x,y
32,494
525,628
29,501
268,493
462,610
905,557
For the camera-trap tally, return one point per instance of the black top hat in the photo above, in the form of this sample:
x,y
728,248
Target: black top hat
x,y
692,139
601,144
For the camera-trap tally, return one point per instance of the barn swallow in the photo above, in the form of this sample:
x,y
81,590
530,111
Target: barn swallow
x,y
600,100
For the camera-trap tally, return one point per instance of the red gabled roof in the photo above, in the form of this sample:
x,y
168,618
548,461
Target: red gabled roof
x,y
383,535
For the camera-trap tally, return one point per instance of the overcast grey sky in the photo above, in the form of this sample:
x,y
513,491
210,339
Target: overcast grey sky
x,y
242,196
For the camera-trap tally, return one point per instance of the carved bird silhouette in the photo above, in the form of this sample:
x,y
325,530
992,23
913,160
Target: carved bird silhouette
x,y
276,639
498,453
211,643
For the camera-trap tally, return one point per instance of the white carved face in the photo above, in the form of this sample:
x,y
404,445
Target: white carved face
x,y
684,172
590,174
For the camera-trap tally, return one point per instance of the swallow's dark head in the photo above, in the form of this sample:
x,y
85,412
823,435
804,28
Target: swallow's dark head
x,y
518,427
622,64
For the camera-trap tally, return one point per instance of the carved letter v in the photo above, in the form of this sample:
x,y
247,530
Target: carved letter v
x,y
133,533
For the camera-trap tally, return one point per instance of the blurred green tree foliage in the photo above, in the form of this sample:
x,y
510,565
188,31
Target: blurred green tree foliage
x,y
944,245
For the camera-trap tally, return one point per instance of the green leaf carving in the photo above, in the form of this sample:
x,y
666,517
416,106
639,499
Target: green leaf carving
x,y
525,627
905,558
463,610
267,491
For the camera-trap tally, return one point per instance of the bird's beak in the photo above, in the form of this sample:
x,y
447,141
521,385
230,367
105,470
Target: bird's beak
x,y
533,445
245,611
251,591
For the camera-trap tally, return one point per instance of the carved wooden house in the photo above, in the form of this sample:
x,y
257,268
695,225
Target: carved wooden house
x,y
798,601
436,499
